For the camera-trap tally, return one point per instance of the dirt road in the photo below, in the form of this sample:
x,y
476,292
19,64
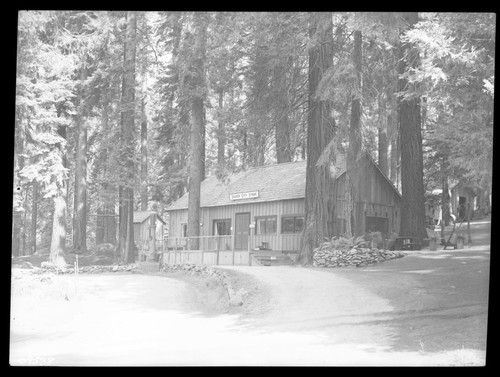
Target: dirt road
x,y
424,309
429,303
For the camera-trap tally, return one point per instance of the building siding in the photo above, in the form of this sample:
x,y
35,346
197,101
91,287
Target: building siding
x,y
376,197
275,208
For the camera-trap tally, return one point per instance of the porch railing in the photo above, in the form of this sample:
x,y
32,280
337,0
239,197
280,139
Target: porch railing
x,y
278,242
198,243
220,250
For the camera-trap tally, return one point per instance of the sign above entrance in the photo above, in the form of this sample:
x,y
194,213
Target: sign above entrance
x,y
244,195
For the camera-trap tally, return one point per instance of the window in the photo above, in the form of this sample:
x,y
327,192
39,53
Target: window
x,y
292,224
184,228
222,227
265,225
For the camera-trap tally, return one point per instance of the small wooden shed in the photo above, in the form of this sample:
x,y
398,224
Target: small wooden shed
x,y
148,232
462,196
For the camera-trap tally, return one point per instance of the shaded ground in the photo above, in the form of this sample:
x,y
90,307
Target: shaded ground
x,y
427,302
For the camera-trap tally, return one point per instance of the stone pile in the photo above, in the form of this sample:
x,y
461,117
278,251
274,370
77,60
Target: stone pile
x,y
194,269
93,269
235,297
359,254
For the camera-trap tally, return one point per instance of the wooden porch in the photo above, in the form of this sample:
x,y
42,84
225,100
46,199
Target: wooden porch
x,y
220,250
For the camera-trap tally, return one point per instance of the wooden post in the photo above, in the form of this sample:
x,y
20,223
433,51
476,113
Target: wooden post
x,y
469,237
233,247
248,248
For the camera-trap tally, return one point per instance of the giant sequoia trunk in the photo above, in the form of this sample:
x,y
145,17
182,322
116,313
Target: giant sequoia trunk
x,y
393,160
352,176
16,232
80,199
393,133
144,163
144,135
34,216
319,200
382,151
412,183
221,134
126,194
197,137
106,220
58,241
282,126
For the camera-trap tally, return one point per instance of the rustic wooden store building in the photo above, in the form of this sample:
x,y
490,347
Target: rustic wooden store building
x,y
263,208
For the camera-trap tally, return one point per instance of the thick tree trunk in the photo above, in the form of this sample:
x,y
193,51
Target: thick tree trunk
x,y
16,231
393,161
197,162
383,130
126,238
58,241
445,203
393,133
126,230
34,216
106,219
106,222
17,211
144,163
283,151
319,199
282,126
413,196
445,197
24,224
110,221
80,194
382,151
244,155
352,176
99,227
203,144
221,134
144,129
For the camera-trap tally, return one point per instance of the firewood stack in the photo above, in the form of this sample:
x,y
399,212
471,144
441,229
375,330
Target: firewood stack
x,y
356,251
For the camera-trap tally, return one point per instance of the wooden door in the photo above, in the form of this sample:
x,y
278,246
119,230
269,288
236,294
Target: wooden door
x,y
241,231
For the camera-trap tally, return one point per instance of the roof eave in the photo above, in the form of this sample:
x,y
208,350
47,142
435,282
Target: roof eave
x,y
234,204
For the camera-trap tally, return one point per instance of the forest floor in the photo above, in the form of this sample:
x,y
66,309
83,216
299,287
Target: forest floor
x,y
428,308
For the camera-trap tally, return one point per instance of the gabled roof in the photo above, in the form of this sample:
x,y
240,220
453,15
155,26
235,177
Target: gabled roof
x,y
383,175
273,182
472,186
141,216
